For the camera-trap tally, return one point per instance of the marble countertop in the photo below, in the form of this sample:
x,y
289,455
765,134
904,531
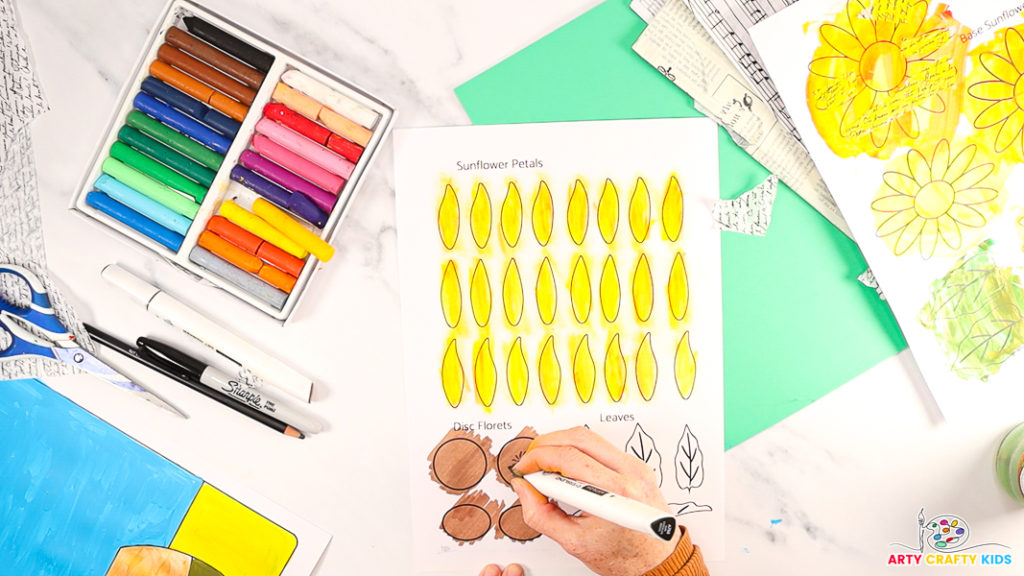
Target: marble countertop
x,y
825,491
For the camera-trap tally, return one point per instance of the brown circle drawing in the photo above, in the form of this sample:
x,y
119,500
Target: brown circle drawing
x,y
509,456
459,464
466,522
511,524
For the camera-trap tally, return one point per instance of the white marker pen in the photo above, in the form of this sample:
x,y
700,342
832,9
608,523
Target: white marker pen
x,y
598,502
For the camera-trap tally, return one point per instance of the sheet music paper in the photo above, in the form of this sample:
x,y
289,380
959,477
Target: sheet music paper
x,y
646,9
728,22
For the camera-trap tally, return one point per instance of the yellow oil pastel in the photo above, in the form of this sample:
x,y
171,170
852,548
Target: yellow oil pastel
x,y
546,292
995,93
480,216
485,377
584,374
512,293
580,292
543,214
451,295
578,213
230,536
640,211
518,372
609,289
453,377
672,210
448,217
511,221
678,288
646,368
480,294
615,369
608,212
686,366
549,372
643,289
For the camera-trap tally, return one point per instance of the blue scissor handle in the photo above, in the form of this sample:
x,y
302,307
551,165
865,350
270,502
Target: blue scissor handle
x,y
22,344
40,313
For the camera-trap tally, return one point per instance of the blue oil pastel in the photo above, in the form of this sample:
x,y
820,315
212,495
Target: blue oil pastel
x,y
74,489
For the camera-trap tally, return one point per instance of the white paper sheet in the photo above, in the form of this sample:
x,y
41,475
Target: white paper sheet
x,y
918,176
437,312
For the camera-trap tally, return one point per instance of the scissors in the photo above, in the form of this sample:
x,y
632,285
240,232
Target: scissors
x,y
35,331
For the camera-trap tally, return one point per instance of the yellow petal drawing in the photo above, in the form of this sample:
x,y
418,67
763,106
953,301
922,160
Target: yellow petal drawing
x,y
549,372
484,375
615,369
546,292
480,216
518,372
678,288
512,293
480,294
686,366
448,217
646,368
610,290
672,210
512,216
583,371
451,295
640,211
578,213
608,212
543,214
643,289
579,290
452,375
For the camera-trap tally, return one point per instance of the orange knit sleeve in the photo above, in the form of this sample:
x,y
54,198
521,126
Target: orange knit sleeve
x,y
686,560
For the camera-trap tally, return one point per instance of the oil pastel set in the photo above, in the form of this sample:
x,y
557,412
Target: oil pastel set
x,y
233,158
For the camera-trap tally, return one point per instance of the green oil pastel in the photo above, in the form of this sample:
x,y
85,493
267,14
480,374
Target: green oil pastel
x,y
977,314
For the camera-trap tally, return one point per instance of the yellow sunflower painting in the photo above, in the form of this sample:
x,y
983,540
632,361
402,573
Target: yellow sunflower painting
x,y
940,202
884,75
995,93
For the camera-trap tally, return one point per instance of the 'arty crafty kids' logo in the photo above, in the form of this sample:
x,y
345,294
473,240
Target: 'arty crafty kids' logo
x,y
942,541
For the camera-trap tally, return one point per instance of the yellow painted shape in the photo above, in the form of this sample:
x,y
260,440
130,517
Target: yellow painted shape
x,y
643,289
480,216
448,217
480,294
640,211
609,289
686,366
578,213
615,369
452,375
232,538
512,216
512,293
580,292
518,372
672,210
646,368
546,292
678,288
583,372
549,371
451,295
608,212
543,214
485,377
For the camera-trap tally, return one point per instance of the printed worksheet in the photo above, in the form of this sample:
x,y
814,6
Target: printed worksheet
x,y
557,275
912,113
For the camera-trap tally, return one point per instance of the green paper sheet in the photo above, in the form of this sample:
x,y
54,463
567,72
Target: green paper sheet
x,y
797,323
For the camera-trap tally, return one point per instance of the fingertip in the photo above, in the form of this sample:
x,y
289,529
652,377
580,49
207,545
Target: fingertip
x,y
527,493
513,570
491,570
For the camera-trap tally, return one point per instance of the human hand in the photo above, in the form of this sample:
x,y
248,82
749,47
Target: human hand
x,y
606,548
510,570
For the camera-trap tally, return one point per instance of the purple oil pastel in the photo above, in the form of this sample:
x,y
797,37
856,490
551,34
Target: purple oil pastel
x,y
282,177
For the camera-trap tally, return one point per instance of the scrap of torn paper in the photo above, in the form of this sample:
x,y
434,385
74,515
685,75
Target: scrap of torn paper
x,y
556,275
867,278
21,98
646,9
679,47
751,213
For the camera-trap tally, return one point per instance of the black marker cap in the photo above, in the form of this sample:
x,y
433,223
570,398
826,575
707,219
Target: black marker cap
x,y
665,527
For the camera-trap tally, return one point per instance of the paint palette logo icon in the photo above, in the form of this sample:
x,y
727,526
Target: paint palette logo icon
x,y
948,532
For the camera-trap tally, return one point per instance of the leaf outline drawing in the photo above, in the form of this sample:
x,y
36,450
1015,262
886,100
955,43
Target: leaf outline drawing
x,y
641,445
691,507
689,462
